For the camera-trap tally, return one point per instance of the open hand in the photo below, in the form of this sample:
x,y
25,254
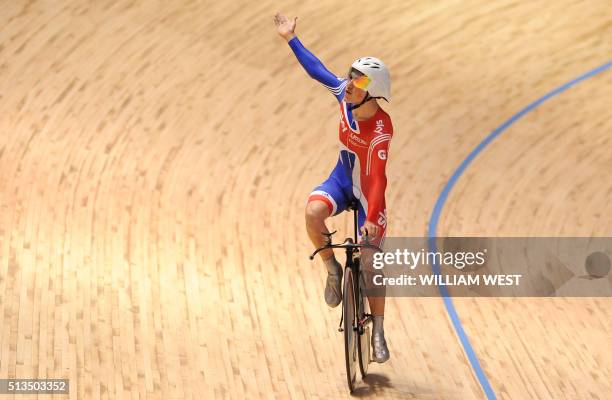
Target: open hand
x,y
285,26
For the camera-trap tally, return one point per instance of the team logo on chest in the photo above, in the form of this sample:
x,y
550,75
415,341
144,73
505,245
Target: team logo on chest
x,y
356,140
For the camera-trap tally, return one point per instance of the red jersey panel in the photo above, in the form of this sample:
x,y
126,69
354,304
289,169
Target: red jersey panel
x,y
368,141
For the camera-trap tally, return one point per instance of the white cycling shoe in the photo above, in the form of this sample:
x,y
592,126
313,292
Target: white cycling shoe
x,y
380,351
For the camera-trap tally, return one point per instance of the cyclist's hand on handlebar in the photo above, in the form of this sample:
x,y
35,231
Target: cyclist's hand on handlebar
x,y
370,229
285,26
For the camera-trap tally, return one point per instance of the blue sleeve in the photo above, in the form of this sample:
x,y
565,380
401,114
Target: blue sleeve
x,y
317,70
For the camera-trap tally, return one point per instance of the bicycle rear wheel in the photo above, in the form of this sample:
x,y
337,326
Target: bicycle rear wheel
x,y
350,340
363,337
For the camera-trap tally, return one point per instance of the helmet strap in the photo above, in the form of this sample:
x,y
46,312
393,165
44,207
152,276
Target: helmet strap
x,y
365,99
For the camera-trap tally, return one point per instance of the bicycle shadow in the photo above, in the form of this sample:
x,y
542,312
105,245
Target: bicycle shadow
x,y
376,384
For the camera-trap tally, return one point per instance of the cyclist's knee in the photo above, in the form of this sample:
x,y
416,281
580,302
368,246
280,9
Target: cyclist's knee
x,y
316,210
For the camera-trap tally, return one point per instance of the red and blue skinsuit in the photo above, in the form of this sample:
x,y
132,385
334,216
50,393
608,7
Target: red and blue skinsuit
x,y
364,146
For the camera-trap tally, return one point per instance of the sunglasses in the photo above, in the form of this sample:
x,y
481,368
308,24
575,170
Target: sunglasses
x,y
359,80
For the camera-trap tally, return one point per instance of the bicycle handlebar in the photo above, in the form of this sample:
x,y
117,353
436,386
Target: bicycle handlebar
x,y
347,244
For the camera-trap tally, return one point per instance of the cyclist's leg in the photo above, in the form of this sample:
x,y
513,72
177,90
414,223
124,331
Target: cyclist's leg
x,y
377,303
327,199
318,209
380,351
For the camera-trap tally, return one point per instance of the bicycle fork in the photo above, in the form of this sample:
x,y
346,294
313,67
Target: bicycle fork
x,y
364,318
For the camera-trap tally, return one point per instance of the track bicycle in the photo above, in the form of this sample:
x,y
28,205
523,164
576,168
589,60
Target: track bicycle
x,y
356,320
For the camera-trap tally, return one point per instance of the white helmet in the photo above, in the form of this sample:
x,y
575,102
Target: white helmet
x,y
377,71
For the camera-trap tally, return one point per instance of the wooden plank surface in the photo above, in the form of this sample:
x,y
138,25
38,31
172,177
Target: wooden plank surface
x,y
155,159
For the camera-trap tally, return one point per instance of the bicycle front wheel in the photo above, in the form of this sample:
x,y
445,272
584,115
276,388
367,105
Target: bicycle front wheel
x,y
363,334
350,340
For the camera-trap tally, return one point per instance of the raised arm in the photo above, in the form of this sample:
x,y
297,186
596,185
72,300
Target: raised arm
x,y
313,66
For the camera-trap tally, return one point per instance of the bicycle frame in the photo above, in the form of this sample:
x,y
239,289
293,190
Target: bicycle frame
x,y
352,248
356,269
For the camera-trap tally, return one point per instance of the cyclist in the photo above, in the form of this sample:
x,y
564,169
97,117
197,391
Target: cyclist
x,y
365,132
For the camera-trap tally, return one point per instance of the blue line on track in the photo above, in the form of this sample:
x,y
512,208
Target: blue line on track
x,y
435,217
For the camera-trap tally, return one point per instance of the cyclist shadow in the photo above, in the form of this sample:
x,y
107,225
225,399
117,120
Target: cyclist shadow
x,y
375,385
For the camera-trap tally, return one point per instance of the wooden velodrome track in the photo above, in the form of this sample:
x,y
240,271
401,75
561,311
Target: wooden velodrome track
x,y
155,159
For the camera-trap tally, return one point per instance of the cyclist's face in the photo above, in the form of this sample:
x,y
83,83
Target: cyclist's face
x,y
355,92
